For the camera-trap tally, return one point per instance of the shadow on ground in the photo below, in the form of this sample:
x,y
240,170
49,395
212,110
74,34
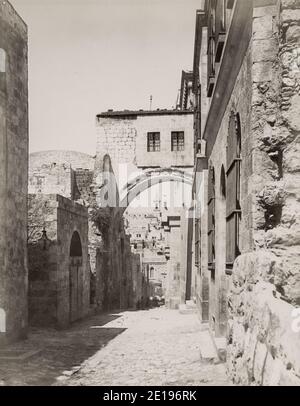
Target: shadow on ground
x,y
61,352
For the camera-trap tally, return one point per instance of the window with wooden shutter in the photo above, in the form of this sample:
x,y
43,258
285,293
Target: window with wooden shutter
x,y
153,142
211,218
177,141
233,206
221,12
211,47
197,242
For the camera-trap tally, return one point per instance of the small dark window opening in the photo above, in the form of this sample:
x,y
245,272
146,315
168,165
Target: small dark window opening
x,y
75,247
223,183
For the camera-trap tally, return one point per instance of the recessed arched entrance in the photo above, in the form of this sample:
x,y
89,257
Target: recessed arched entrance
x,y
75,277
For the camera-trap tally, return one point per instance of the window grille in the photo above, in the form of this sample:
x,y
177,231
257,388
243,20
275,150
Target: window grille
x,y
233,206
211,218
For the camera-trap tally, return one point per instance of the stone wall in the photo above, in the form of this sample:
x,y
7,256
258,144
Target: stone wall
x,y
173,294
118,276
53,220
42,259
14,174
52,178
69,174
240,102
75,159
263,337
276,128
136,265
203,274
264,334
71,218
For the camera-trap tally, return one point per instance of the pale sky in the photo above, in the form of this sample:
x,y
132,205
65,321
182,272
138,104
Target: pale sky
x,y
87,56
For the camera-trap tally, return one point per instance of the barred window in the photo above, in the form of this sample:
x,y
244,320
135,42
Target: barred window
x,y
177,141
233,206
197,242
153,142
211,218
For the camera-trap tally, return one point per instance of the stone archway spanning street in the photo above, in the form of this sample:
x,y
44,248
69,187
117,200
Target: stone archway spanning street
x,y
150,178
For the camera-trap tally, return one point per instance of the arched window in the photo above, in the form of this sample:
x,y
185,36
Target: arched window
x,y
106,163
152,272
211,218
223,183
233,206
75,247
198,243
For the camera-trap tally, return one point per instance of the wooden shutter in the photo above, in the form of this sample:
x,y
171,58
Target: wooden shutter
x,y
211,47
211,218
233,207
197,242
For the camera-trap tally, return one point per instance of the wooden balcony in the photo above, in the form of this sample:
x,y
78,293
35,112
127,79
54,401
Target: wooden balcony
x,y
211,66
220,22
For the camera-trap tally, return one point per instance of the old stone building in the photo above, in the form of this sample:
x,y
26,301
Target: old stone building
x,y
107,270
13,174
141,143
245,278
58,245
59,269
148,148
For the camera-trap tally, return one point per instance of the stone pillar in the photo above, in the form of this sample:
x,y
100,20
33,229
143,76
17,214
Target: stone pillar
x,y
205,274
14,175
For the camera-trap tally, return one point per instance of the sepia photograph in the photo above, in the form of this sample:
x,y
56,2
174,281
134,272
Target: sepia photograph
x,y
149,196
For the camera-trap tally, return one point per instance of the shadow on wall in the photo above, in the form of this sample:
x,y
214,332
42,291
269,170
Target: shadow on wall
x,y
61,351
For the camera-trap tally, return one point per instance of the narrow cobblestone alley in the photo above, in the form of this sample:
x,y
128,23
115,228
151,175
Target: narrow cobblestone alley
x,y
150,347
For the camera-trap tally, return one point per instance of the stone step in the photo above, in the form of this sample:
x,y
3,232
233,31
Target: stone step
x,y
183,309
208,352
190,304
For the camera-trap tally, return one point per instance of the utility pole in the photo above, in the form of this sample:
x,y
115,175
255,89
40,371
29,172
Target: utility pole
x,y
151,98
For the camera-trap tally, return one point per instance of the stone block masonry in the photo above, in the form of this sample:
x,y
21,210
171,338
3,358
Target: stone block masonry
x,y
123,136
108,270
264,293
13,174
52,178
252,125
59,272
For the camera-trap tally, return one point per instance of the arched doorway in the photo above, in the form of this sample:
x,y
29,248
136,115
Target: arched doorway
x,y
75,277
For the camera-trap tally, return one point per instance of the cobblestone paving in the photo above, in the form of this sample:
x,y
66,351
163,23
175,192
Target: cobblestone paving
x,y
154,347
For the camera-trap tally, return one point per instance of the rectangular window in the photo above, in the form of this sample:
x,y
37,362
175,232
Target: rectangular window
x,y
198,243
211,219
177,141
153,142
233,206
